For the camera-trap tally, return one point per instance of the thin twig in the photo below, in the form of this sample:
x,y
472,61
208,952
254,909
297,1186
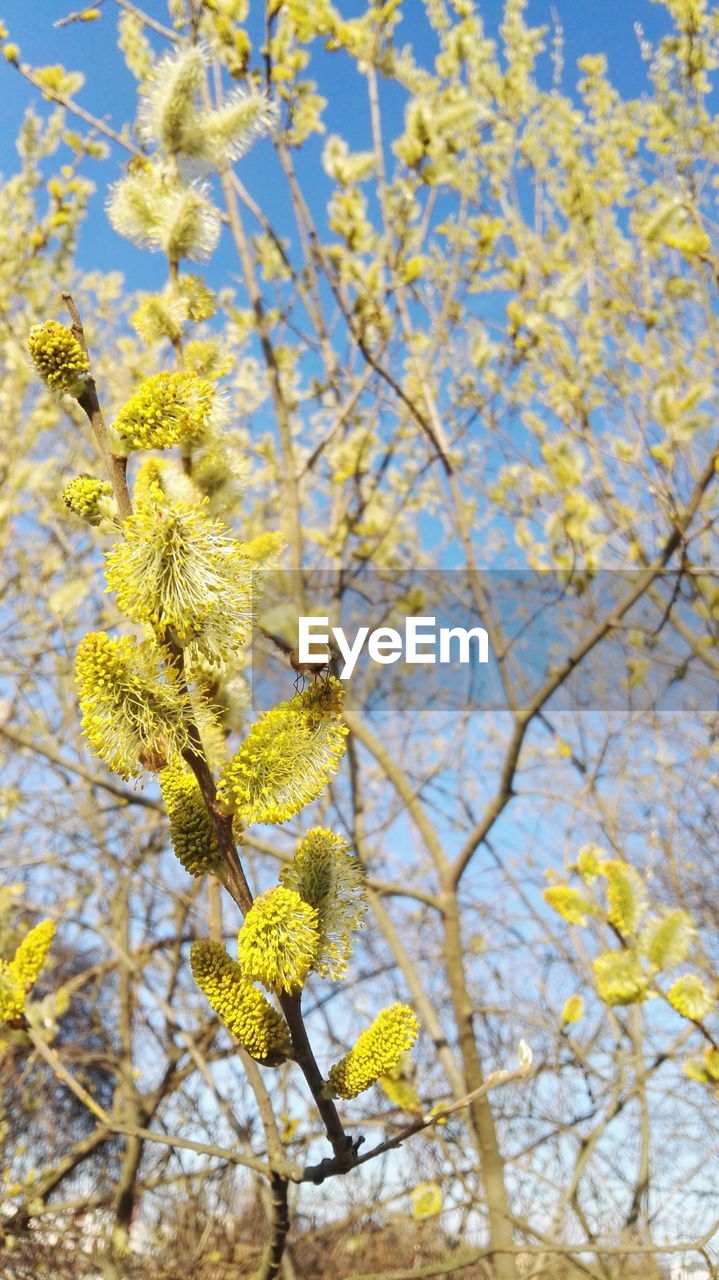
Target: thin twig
x,y
566,1250
147,21
113,1125
63,101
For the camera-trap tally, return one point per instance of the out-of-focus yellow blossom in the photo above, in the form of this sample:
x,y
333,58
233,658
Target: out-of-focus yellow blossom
x,y
169,113
19,975
176,219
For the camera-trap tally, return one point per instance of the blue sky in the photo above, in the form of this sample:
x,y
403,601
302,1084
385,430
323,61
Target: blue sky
x,y
589,26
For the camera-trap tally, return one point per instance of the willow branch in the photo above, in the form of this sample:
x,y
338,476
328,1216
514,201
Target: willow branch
x,y
279,1226
289,1170
89,402
345,1150
95,123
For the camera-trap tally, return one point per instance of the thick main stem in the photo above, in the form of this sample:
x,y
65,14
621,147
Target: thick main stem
x,y
344,1150
269,1268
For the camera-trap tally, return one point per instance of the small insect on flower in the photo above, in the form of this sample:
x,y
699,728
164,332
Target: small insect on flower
x,y
310,670
304,671
287,758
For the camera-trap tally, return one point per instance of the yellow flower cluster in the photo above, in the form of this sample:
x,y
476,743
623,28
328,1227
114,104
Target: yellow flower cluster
x,y
620,977
324,874
377,1051
200,301
191,832
212,138
158,317
88,498
288,756
158,479
402,1093
133,714
58,357
161,215
161,315
12,994
278,942
703,1067
246,1013
168,409
176,568
19,975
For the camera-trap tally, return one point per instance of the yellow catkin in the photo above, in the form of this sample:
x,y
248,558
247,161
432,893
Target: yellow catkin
x,y
377,1051
245,1011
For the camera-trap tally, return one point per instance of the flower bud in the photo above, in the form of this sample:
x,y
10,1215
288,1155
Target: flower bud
x,y
58,357
376,1053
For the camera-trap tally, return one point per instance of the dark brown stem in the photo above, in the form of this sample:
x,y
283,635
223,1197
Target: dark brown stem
x,y
279,1226
344,1148
234,878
